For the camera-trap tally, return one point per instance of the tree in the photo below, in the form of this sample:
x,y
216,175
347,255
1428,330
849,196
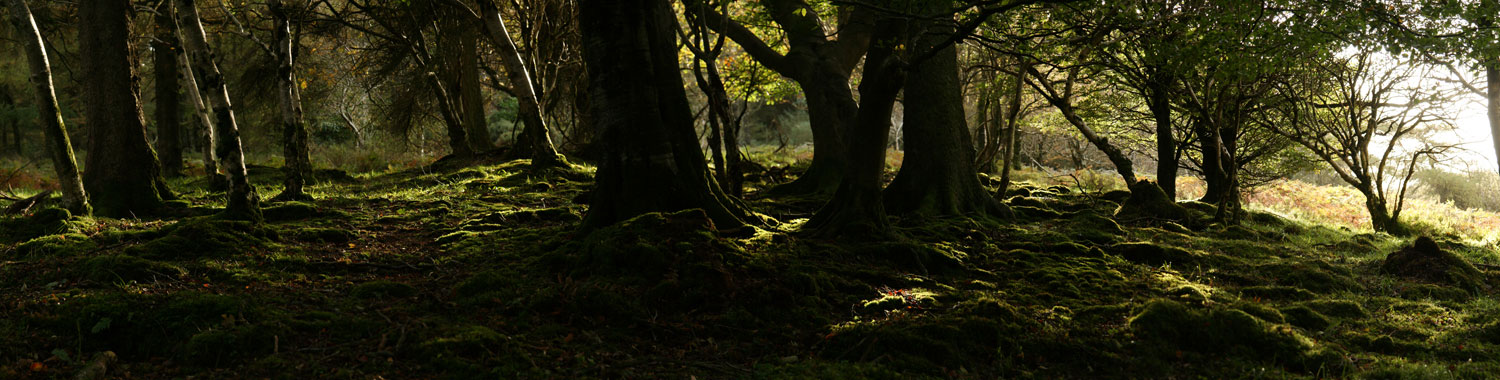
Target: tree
x,y
297,168
122,172
937,174
74,198
535,141
652,158
822,65
244,203
1344,110
164,49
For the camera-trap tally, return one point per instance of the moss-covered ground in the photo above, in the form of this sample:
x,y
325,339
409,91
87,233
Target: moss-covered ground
x,y
477,272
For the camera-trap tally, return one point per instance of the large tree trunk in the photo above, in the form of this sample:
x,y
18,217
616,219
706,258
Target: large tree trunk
x,y
1215,182
463,65
652,158
168,126
1166,142
74,198
297,169
1492,101
244,203
937,176
856,210
1012,129
535,141
123,175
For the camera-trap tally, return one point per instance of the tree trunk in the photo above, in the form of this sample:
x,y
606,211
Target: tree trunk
x,y
297,169
123,176
1012,129
1492,101
168,126
471,99
1166,142
1381,219
74,198
937,176
1064,103
535,141
1213,170
652,161
856,210
244,203
211,168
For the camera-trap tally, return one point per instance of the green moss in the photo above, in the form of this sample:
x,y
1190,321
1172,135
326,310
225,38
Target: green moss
x,y
48,221
322,235
382,289
114,236
192,239
1094,228
1153,254
224,345
56,245
1307,318
463,341
1314,275
125,268
289,211
1338,308
1261,311
1225,331
1277,292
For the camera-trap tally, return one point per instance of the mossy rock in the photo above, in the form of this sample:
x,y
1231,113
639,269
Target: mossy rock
x,y
1093,228
1265,313
1307,318
1425,261
1147,201
126,268
56,245
114,236
222,346
382,289
1225,331
1338,308
464,341
1314,275
1277,292
1036,213
193,239
1153,254
1026,201
48,221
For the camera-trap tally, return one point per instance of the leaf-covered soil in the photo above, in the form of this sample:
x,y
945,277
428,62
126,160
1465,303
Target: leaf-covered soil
x,y
478,273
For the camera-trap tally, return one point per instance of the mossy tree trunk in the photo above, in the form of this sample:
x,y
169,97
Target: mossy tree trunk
x,y
471,95
822,66
1166,143
244,203
168,125
937,176
1063,101
297,167
1012,128
535,141
75,199
856,210
123,175
652,158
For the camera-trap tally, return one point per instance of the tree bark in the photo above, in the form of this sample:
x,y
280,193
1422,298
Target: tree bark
x,y
1166,142
1213,169
1492,101
937,176
123,175
297,167
1012,128
652,161
471,96
856,210
244,203
1064,104
535,141
74,198
211,168
168,126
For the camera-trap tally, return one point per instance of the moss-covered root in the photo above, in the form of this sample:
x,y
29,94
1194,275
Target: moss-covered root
x,y
1147,202
1425,261
1229,331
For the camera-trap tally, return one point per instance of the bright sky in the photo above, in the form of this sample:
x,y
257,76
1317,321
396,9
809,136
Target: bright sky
x,y
1474,132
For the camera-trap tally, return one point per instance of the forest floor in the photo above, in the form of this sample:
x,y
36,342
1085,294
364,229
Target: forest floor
x,y
477,272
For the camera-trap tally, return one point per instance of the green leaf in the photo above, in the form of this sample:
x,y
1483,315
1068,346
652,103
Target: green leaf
x,y
102,325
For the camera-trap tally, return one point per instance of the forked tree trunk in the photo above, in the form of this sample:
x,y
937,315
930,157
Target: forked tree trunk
x,y
123,175
74,198
652,158
297,169
244,203
211,168
168,126
937,176
535,141
856,210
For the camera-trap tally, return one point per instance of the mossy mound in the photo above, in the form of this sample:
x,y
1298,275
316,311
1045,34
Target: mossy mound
x,y
1313,275
1277,292
1227,331
677,258
125,268
1338,308
382,289
49,221
140,326
1147,202
1154,254
1094,228
322,235
1425,261
56,245
980,330
1307,318
193,239
292,211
